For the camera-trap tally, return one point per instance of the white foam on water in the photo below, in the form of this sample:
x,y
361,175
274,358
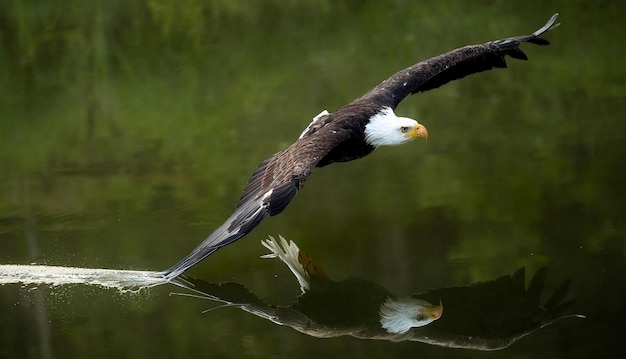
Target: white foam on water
x,y
58,276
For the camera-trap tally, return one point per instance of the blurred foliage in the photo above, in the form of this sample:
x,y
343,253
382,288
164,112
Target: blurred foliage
x,y
128,129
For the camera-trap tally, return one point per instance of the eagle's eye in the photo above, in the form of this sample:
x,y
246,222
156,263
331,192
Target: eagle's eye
x,y
404,129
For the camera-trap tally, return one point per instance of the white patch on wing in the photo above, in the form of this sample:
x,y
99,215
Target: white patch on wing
x,y
262,205
315,119
267,196
242,216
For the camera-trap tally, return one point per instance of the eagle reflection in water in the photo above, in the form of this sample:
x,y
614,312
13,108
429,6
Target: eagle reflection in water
x,y
487,315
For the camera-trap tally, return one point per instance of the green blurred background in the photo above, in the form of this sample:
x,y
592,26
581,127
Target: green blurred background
x,y
129,128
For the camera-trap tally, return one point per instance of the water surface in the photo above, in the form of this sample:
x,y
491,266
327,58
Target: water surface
x,y
127,132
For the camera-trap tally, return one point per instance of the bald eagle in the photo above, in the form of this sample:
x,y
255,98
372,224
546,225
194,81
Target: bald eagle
x,y
351,132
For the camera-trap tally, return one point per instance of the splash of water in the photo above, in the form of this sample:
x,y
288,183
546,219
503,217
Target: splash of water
x,y
57,276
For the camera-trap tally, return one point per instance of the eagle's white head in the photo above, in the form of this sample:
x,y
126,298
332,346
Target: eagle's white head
x,y
385,128
399,315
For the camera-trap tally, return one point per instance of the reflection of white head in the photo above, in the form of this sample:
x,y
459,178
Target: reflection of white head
x,y
387,129
399,315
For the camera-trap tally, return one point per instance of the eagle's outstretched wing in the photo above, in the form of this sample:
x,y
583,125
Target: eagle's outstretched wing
x,y
271,188
453,65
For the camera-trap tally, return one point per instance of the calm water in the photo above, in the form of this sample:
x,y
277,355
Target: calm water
x,y
128,131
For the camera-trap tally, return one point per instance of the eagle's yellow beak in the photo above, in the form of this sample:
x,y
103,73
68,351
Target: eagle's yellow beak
x,y
418,131
435,312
